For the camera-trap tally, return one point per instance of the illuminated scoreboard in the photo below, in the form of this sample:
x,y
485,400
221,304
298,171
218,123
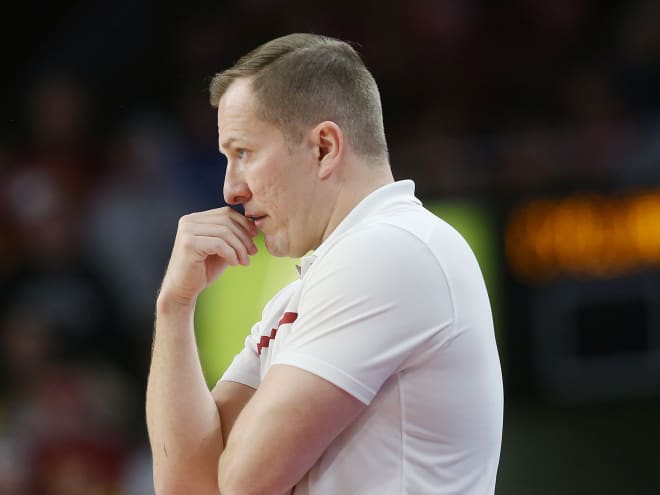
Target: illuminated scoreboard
x,y
589,269
584,235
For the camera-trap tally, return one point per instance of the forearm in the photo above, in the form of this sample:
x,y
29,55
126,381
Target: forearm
x,y
182,417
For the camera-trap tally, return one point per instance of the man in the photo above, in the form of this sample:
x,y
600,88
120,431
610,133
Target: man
x,y
374,373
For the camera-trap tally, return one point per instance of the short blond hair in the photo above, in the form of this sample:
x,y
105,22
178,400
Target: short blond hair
x,y
302,79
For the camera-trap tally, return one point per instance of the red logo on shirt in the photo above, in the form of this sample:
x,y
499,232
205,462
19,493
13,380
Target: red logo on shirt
x,y
265,339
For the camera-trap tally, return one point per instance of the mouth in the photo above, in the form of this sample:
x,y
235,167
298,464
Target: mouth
x,y
258,220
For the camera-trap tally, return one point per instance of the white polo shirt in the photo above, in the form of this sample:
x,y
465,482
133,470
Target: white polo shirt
x,y
393,309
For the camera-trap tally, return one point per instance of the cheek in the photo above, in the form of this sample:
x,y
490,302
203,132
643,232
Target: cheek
x,y
272,184
269,187
280,183
273,192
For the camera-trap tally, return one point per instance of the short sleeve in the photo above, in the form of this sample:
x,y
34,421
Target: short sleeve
x,y
374,299
245,367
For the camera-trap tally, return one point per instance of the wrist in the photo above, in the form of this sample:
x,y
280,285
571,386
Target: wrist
x,y
169,302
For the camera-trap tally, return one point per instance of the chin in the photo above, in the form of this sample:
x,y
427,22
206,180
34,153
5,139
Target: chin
x,y
282,248
274,248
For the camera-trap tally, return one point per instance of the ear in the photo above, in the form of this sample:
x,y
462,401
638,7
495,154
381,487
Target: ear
x,y
328,140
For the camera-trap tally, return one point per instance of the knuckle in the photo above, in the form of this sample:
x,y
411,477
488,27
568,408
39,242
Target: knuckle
x,y
187,241
184,220
224,231
222,248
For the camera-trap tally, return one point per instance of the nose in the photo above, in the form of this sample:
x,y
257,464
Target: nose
x,y
235,189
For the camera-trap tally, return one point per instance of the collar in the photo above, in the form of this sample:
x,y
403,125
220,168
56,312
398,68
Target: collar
x,y
400,192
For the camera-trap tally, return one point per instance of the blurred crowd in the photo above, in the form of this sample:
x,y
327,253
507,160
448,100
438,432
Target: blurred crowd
x,y
87,222
490,102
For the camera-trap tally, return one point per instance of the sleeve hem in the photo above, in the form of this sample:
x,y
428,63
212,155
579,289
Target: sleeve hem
x,y
328,372
242,378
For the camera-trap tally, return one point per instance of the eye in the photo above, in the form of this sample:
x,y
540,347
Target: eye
x,y
241,154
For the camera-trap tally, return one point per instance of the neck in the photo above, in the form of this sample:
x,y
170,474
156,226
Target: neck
x,y
361,180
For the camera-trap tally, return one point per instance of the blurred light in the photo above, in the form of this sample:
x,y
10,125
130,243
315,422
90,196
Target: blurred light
x,y
585,235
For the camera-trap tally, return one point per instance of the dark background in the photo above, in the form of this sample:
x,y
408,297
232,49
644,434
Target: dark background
x,y
106,138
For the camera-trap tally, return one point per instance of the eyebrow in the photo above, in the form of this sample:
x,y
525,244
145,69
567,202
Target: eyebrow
x,y
226,144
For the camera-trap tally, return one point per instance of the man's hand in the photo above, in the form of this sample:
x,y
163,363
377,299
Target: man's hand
x,y
206,243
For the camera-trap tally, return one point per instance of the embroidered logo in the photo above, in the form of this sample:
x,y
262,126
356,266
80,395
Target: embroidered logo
x,y
265,339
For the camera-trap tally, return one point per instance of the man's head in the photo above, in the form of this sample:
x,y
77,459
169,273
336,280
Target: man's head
x,y
300,122
300,80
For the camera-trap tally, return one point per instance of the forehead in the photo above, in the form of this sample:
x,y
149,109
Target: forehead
x,y
237,117
237,99
238,122
235,106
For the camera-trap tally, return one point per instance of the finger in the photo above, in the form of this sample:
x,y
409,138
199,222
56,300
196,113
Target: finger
x,y
232,247
218,214
240,225
227,231
209,246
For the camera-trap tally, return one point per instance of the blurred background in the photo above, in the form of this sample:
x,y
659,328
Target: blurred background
x,y
532,126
